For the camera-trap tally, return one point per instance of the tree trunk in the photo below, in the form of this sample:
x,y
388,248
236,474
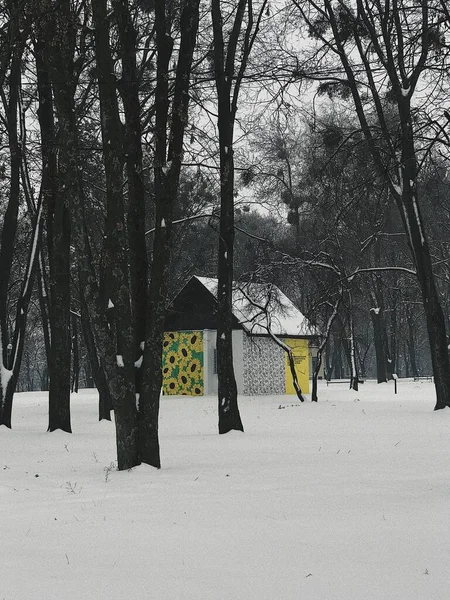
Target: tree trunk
x,y
322,345
228,411
129,90
18,340
391,341
291,361
337,362
90,383
344,348
354,376
376,317
406,358
57,200
98,373
9,229
378,321
409,207
115,254
76,356
229,417
60,349
167,168
44,310
411,345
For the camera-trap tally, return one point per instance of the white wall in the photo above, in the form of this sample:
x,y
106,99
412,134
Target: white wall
x,y
210,378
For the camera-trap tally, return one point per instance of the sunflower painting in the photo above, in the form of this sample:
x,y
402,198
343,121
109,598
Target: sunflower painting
x,y
183,363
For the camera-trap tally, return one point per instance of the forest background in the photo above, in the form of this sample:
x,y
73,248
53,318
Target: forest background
x,y
300,143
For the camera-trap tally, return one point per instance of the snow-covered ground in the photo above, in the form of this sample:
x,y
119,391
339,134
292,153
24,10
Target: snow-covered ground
x,y
348,499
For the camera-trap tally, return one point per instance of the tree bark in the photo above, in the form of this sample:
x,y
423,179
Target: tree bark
x,y
76,356
354,376
59,28
18,339
115,253
322,345
60,349
408,203
376,317
224,59
411,345
129,91
168,156
98,373
44,310
8,377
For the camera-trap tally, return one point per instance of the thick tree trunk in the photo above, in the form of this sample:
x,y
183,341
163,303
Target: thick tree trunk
x,y
48,183
60,349
115,254
129,90
167,168
57,200
228,411
9,229
407,200
229,417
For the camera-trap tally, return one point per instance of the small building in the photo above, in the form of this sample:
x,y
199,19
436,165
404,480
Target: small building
x,y
261,315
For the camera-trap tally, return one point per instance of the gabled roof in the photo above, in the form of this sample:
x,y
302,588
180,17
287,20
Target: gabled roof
x,y
263,307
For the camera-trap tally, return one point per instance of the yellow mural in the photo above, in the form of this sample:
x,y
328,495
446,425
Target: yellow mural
x,y
301,360
183,363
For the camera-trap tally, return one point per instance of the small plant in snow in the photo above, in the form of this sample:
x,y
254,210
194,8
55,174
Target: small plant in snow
x,y
72,488
112,467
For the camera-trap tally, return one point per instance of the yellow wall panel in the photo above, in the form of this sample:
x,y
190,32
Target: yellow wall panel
x,y
301,360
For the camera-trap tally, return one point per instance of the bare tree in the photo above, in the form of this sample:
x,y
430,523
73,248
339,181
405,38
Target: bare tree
x,y
380,54
12,45
232,46
170,126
